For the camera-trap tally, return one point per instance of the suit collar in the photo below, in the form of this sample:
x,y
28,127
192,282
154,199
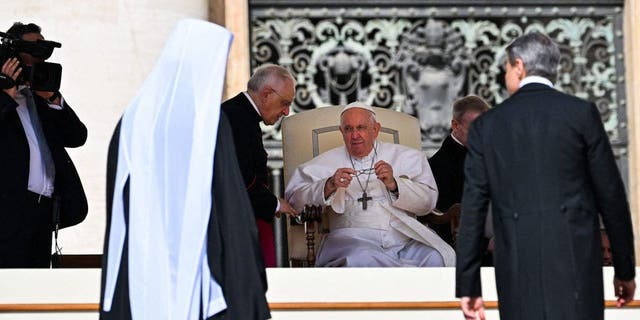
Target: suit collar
x,y
451,144
532,87
536,79
7,104
455,139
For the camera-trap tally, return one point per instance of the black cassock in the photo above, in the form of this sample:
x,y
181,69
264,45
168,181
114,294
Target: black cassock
x,y
234,256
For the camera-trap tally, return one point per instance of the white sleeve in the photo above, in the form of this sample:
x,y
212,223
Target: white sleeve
x,y
304,189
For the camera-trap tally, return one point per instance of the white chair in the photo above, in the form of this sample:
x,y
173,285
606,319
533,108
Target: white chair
x,y
310,133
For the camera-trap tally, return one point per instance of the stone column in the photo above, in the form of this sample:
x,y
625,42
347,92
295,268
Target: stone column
x,y
632,63
234,15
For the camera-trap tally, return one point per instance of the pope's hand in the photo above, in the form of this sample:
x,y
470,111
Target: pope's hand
x,y
384,172
340,179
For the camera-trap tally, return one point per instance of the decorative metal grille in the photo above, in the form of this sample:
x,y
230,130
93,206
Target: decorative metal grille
x,y
418,56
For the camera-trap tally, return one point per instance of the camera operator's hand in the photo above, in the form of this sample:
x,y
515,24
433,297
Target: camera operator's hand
x,y
49,96
12,68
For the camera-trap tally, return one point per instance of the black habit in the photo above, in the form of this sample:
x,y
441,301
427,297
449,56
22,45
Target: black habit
x,y
21,220
544,161
232,245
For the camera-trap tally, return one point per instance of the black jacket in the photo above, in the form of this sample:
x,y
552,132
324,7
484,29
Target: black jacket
x,y
544,161
447,165
252,157
62,129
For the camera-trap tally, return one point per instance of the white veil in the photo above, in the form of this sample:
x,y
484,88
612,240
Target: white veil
x,y
166,147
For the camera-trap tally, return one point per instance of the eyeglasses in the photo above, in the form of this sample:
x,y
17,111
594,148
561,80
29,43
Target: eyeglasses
x,y
285,102
368,171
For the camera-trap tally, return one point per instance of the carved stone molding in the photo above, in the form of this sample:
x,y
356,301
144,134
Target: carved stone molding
x,y
418,56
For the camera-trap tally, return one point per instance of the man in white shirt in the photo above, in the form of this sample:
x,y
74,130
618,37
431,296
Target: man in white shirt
x,y
40,189
375,191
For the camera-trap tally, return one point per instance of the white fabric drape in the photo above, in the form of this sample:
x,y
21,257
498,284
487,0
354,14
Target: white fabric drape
x,y
166,147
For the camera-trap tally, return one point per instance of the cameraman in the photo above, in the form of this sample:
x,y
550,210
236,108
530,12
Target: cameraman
x,y
40,190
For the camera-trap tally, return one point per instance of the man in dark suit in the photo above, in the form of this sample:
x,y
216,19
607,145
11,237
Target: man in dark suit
x,y
543,159
447,164
40,189
270,92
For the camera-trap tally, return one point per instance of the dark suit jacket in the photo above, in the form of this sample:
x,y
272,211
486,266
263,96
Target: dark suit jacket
x,y
544,161
234,256
62,128
447,165
252,158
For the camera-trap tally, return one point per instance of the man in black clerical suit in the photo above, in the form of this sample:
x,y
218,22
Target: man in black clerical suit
x,y
39,185
232,244
270,92
447,164
543,160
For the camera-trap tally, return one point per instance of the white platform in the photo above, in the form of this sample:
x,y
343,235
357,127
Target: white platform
x,y
285,286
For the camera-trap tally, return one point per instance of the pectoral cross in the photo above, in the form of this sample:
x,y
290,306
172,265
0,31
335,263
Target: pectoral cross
x,y
364,200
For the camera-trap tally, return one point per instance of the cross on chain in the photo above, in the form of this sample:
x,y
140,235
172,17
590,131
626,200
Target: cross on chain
x,y
364,200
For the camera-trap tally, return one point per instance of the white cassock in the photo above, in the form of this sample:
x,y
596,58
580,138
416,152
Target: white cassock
x,y
386,233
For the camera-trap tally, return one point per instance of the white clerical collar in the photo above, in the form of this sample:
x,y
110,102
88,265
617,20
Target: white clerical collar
x,y
456,140
246,94
535,79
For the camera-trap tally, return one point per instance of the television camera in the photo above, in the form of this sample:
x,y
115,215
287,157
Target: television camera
x,y
43,76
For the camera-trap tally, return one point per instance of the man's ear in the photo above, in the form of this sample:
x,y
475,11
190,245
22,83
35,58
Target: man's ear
x,y
265,91
377,127
519,68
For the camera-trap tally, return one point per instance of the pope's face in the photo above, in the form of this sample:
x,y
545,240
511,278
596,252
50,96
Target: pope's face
x,y
359,131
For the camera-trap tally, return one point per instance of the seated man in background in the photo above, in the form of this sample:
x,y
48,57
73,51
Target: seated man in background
x,y
447,165
375,190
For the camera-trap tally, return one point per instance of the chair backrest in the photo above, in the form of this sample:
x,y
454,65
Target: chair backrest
x,y
310,133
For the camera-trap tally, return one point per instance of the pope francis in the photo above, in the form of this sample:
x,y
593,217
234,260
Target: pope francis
x,y
375,191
